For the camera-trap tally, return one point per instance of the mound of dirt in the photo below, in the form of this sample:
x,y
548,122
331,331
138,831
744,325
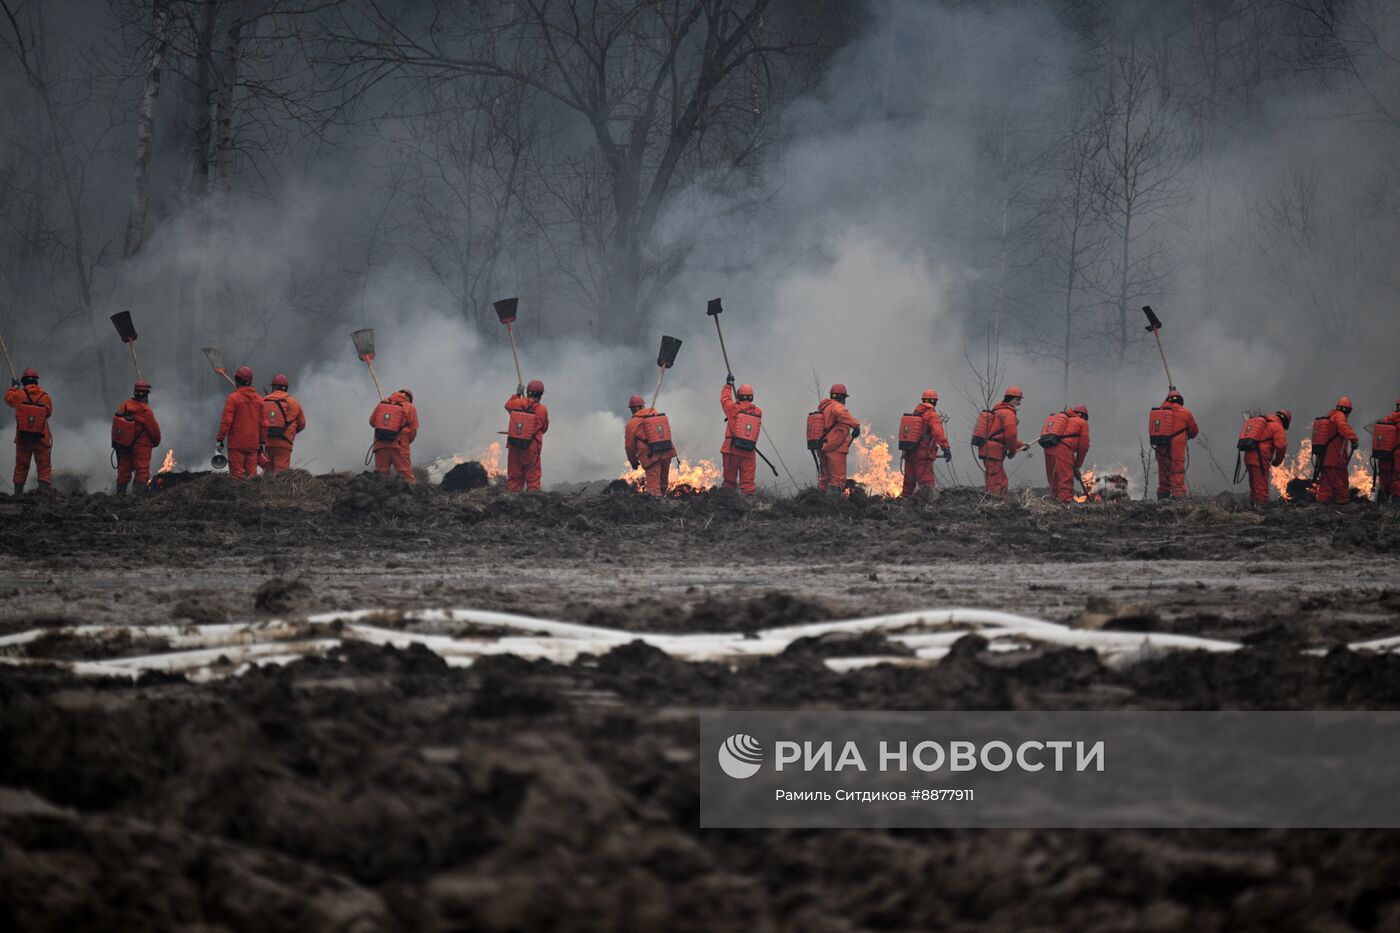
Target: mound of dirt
x,y
381,789
465,477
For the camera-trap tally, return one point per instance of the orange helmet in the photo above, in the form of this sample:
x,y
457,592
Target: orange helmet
x,y
30,373
406,394
1344,403
1082,411
1285,416
838,389
1013,392
930,395
535,388
636,402
745,392
279,380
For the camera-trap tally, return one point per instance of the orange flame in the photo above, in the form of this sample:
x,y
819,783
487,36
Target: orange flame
x,y
875,466
1105,485
169,463
1299,466
699,475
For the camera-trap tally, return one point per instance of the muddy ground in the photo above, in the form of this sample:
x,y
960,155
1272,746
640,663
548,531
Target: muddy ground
x,y
378,789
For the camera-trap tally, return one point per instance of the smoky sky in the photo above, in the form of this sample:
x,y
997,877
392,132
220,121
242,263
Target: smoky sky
x,y
906,208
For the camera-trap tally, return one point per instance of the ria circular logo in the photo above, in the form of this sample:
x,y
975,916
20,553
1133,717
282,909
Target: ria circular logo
x,y
740,756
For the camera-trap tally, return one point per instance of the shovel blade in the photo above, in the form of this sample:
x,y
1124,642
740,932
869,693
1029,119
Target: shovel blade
x,y
125,329
215,358
670,346
364,343
1152,322
505,309
714,307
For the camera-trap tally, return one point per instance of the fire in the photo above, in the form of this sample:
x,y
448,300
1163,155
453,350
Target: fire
x,y
875,467
1300,467
490,459
696,476
169,463
1105,486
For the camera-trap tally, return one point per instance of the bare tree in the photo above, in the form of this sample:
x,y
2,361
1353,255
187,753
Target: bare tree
x,y
665,87
1138,177
145,126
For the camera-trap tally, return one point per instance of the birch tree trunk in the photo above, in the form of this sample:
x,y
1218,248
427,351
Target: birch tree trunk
x,y
145,123
228,81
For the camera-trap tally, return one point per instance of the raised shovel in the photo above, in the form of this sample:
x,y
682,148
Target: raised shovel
x,y
216,360
665,359
1155,326
364,349
714,308
505,310
127,331
8,362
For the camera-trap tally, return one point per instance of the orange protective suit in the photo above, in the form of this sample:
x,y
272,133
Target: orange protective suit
x,y
918,464
1066,458
1261,461
37,447
279,449
840,427
739,465
244,429
657,466
1003,444
1171,460
1387,476
523,463
135,461
394,454
1333,485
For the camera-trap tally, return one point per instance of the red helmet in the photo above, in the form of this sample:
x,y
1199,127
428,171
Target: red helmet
x,y
30,374
141,386
746,392
1013,392
1285,416
1344,402
280,380
636,401
244,374
1082,411
406,394
930,395
1175,396
535,388
1397,404
839,388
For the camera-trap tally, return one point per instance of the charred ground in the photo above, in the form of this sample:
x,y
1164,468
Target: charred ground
x,y
378,789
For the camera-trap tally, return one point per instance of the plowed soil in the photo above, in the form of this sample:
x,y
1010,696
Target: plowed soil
x,y
379,789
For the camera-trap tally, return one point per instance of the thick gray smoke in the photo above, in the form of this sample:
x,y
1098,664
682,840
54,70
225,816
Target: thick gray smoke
x,y
908,215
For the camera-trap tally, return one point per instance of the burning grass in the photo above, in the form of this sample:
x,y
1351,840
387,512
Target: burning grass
x,y
1293,480
875,466
687,477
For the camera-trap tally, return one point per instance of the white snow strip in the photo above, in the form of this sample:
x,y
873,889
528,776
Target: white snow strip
x,y
206,652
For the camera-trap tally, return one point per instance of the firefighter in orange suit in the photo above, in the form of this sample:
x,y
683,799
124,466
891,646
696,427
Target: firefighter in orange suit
x,y
839,429
1002,443
918,464
1387,476
134,459
33,440
1272,444
285,420
1064,460
1333,485
1171,456
523,458
391,447
739,452
243,426
638,446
